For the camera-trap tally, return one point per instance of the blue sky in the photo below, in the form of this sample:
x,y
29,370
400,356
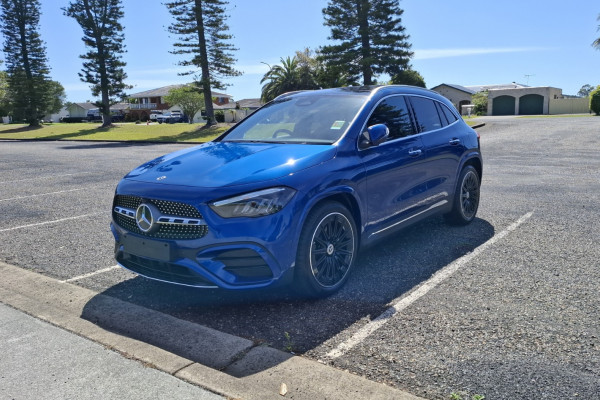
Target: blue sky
x,y
542,43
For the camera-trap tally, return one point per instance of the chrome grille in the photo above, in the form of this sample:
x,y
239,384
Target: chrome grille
x,y
177,220
176,209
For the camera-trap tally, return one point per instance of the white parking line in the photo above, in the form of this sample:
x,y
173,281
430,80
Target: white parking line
x,y
45,177
51,222
42,194
100,271
403,302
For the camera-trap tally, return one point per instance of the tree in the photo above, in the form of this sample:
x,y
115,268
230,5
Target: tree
x,y
408,77
103,66
480,101
26,62
57,97
5,106
585,91
203,35
596,42
304,71
595,100
369,37
287,77
188,98
321,75
307,70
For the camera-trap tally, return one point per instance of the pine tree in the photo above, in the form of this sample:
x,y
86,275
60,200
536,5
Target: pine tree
x,y
26,63
369,39
202,31
103,66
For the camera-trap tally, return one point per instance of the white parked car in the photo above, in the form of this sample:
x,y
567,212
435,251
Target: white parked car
x,y
154,114
170,118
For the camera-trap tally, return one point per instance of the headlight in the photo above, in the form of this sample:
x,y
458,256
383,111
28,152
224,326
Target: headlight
x,y
254,204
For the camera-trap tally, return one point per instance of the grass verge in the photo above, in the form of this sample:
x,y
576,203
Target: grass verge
x,y
558,116
117,132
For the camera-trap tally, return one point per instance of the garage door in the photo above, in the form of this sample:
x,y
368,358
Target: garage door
x,y
503,105
531,104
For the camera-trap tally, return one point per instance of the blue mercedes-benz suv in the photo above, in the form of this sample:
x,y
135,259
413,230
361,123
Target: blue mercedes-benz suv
x,y
291,193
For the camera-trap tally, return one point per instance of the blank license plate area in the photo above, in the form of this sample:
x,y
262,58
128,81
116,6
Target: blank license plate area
x,y
146,248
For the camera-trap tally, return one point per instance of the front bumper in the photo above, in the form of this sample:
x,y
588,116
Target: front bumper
x,y
228,265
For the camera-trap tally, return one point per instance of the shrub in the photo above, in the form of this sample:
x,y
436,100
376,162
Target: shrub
x,y
595,100
480,101
220,116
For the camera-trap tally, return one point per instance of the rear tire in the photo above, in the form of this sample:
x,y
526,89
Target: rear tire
x,y
326,250
466,198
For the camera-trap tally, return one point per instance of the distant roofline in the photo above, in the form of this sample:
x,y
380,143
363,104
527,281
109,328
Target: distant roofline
x,y
472,89
163,91
457,87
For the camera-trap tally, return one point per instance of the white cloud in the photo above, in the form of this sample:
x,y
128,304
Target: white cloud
x,y
254,69
425,54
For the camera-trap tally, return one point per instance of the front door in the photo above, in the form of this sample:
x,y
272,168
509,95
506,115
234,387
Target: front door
x,y
395,179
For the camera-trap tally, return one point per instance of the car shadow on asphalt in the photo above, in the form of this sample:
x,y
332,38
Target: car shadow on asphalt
x,y
286,321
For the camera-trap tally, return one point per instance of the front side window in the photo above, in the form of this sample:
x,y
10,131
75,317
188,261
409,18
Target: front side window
x,y
393,112
426,114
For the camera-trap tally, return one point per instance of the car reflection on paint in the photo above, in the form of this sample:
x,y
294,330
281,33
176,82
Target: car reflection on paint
x,y
291,194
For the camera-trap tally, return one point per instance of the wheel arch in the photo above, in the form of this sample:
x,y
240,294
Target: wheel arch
x,y
476,163
345,196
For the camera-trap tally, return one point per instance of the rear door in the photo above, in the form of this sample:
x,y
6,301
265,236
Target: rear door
x,y
442,139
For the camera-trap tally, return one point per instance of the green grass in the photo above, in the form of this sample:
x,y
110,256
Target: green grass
x,y
558,116
117,132
471,121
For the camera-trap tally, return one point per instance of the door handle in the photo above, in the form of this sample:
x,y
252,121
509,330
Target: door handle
x,y
454,142
414,153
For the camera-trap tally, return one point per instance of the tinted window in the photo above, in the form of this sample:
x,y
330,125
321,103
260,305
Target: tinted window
x,y
441,113
450,116
393,112
426,114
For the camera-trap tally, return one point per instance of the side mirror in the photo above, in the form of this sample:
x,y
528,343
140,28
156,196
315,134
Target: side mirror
x,y
377,134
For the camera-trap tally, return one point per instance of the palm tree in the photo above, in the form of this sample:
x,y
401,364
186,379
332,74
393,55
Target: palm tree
x,y
281,78
596,43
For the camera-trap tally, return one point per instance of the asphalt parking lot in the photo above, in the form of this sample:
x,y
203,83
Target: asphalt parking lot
x,y
511,312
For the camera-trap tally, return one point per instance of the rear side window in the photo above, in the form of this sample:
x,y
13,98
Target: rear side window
x,y
450,116
426,114
393,112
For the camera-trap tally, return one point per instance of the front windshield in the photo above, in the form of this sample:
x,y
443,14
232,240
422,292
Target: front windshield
x,y
310,117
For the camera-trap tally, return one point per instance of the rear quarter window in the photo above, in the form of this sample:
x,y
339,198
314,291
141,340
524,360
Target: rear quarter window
x,y
450,116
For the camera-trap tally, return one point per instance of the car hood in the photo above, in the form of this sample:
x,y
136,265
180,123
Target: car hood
x,y
217,164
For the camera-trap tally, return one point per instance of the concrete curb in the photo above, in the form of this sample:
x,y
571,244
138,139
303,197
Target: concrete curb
x,y
186,350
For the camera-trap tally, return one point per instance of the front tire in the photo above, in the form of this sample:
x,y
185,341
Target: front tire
x,y
326,250
466,197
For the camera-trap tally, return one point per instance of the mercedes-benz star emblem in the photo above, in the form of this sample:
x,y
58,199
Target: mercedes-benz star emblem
x,y
144,218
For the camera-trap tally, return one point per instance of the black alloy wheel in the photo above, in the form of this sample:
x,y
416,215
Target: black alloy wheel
x,y
466,198
327,250
469,194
